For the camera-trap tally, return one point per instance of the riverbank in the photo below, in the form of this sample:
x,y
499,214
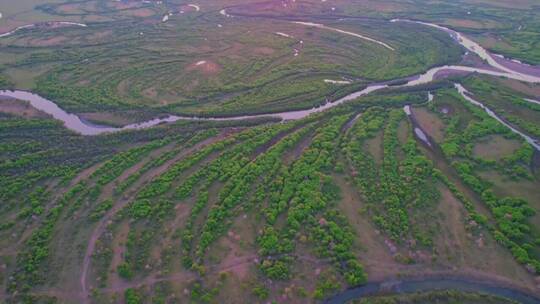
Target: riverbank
x,y
436,283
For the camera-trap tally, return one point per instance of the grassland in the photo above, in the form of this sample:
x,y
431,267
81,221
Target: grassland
x,y
155,215
256,211
242,67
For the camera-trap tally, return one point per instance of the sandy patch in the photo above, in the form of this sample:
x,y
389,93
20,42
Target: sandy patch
x,y
337,81
194,6
284,35
206,67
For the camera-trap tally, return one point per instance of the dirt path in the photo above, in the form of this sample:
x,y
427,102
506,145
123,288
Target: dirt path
x,y
105,220
119,247
231,265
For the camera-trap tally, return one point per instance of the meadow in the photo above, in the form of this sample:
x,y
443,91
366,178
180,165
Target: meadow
x,y
255,210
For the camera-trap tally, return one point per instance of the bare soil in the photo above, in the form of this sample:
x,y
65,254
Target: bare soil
x,y
20,108
495,147
430,123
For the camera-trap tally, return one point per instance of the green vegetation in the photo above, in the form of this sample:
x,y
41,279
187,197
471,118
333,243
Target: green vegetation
x,y
507,103
404,182
257,211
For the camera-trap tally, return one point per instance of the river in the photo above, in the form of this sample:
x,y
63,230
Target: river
x,y
432,284
75,123
533,142
33,25
80,126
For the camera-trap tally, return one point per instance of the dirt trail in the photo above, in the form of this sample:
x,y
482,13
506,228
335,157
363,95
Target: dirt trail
x,y
105,220
213,269
119,247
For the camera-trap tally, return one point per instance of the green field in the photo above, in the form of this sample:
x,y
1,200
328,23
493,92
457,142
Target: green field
x,y
256,210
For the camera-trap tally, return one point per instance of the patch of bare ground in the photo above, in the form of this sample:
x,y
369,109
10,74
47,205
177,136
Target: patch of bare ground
x,y
119,248
402,132
372,249
472,59
519,86
263,50
206,67
183,276
94,37
150,92
140,12
460,250
503,263
49,41
69,8
527,189
430,123
20,108
468,23
237,245
96,18
440,163
169,243
306,271
495,147
123,87
491,40
375,147
234,254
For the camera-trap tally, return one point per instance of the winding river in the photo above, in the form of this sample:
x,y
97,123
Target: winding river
x,y
432,284
80,126
33,25
467,96
75,123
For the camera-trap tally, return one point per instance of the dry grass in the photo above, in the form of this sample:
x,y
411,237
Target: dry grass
x,y
430,123
495,147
